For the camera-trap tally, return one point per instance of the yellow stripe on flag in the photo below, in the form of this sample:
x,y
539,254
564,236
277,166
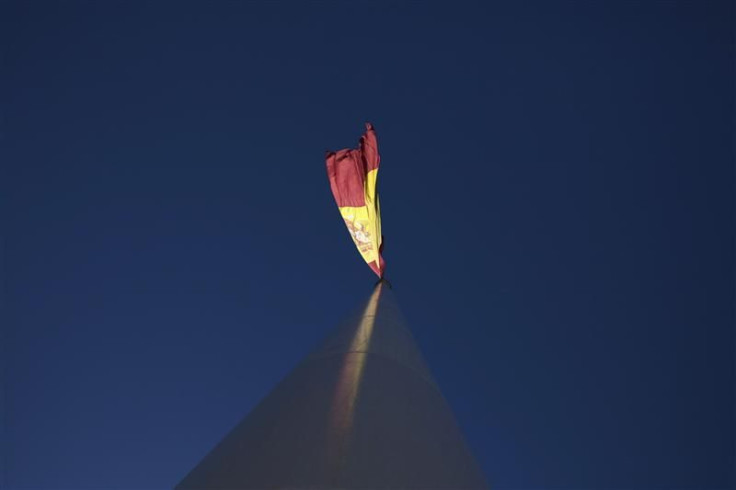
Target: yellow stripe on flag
x,y
364,223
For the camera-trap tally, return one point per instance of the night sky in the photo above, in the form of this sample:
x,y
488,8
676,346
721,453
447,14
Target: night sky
x,y
557,190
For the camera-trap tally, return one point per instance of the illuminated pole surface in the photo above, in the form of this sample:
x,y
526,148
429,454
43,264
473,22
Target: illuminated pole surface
x,y
361,411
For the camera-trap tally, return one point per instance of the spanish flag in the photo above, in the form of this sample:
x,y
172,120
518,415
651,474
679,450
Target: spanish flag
x,y
353,174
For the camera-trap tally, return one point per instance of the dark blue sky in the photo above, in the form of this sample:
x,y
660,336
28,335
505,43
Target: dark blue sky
x,y
557,191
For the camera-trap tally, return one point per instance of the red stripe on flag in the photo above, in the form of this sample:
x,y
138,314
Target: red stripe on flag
x,y
369,149
347,169
346,178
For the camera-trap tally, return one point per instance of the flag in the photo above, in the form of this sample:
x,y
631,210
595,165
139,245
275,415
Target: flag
x,y
353,173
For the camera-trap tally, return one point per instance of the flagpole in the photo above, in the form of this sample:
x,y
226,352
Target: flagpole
x,y
360,411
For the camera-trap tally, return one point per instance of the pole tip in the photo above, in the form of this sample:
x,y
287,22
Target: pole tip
x,y
385,281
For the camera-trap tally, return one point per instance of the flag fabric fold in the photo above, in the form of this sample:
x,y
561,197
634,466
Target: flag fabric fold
x,y
353,173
